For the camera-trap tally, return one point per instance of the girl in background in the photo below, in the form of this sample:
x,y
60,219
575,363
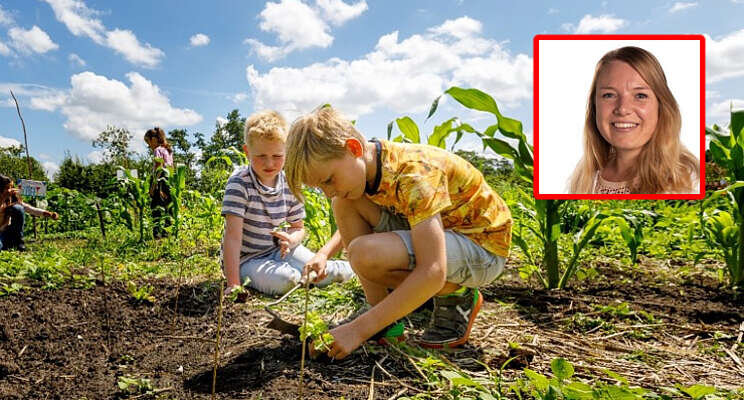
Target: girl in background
x,y
13,215
159,191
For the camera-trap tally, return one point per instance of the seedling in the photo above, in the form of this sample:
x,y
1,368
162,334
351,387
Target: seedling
x,y
141,294
317,330
135,385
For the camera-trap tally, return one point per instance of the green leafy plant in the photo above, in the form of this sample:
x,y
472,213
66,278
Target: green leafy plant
x,y
561,386
129,385
141,294
724,229
136,193
6,289
317,330
631,230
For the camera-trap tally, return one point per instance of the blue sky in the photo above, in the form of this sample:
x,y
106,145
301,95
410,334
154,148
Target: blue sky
x,y
80,65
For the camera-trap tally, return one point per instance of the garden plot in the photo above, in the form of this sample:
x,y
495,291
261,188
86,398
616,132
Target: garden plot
x,y
635,327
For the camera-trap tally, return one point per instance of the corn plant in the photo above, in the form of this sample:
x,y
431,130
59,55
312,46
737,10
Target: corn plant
x,y
136,193
631,230
175,178
547,213
319,221
723,230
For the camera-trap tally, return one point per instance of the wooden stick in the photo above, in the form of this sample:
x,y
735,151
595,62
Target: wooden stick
x,y
25,141
25,138
217,342
372,384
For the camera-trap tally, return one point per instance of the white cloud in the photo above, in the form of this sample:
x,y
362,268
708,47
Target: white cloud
x,y
337,12
552,11
75,59
266,52
34,40
679,6
50,168
96,156
459,28
125,43
725,57
8,142
199,39
23,90
94,102
591,24
5,17
402,76
80,20
4,49
49,102
297,26
239,97
723,108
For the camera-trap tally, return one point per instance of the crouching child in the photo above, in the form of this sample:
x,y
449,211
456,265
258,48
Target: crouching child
x,y
413,218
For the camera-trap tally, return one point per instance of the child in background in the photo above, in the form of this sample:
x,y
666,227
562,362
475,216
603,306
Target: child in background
x,y
413,218
159,191
257,201
12,215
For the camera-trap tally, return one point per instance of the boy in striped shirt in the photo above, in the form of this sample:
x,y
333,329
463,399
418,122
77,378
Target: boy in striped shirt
x,y
257,202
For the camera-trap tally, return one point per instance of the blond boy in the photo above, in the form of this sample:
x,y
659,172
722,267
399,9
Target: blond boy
x,y
413,218
257,201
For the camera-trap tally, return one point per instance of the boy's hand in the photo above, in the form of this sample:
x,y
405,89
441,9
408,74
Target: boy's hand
x,y
318,265
285,242
346,340
51,214
236,293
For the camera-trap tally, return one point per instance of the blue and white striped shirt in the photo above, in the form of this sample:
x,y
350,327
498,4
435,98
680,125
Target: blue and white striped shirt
x,y
262,208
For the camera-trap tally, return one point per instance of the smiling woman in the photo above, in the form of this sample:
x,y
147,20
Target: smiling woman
x,y
632,131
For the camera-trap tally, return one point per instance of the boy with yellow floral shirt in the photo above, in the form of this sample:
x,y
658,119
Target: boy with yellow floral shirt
x,y
413,218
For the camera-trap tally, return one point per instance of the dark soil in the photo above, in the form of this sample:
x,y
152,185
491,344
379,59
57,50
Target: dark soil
x,y
75,343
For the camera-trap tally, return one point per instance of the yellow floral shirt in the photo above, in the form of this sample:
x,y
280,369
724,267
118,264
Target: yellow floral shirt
x,y
420,181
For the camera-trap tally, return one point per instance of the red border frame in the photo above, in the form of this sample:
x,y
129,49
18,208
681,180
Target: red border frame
x,y
536,119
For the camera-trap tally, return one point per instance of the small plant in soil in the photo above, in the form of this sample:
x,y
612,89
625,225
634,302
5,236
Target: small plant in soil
x,y
6,289
317,330
141,294
128,385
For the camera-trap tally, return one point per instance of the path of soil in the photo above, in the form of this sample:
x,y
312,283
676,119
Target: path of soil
x,y
69,343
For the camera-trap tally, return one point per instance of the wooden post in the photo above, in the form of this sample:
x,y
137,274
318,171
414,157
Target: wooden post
x,y
28,157
100,220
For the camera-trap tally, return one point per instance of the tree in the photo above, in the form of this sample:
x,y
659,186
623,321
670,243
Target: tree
x,y
89,179
14,165
225,136
115,143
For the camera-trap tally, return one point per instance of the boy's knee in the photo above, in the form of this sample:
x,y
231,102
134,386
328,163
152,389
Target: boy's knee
x,y
278,282
361,252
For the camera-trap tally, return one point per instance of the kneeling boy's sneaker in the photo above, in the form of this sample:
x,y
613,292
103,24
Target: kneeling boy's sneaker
x,y
452,318
391,334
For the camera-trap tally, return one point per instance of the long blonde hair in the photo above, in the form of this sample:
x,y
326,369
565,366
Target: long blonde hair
x,y
664,164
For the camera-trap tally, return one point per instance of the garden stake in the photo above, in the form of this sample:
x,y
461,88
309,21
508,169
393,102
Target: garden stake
x,y
277,323
217,342
304,322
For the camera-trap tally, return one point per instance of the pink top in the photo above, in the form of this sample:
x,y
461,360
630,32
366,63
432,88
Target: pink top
x,y
162,152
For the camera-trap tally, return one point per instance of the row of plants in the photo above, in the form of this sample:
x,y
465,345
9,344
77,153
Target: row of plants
x,y
539,224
